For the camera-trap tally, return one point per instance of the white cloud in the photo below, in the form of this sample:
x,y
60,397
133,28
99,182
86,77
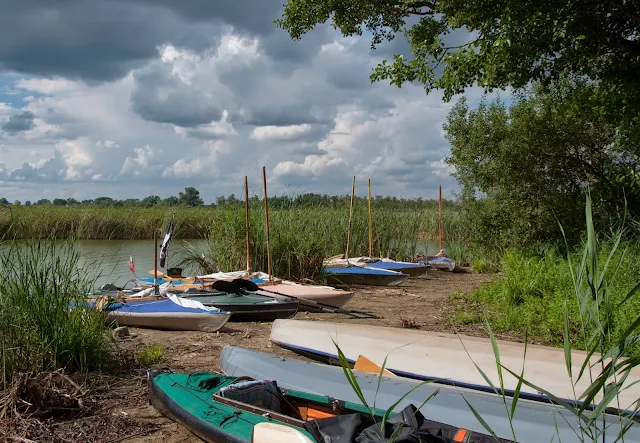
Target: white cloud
x,y
280,133
217,102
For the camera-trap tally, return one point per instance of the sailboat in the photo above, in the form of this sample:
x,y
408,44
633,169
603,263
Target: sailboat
x,y
368,270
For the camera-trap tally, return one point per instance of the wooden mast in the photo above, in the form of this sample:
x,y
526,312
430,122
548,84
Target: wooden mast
x,y
370,223
440,216
246,215
155,262
353,189
266,214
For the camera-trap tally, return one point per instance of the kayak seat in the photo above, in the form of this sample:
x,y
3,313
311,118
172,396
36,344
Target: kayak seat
x,y
260,393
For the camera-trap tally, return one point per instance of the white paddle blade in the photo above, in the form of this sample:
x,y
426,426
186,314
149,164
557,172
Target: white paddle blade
x,y
267,432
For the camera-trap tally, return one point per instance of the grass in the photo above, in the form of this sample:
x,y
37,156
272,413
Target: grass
x,y
599,313
531,294
38,331
151,355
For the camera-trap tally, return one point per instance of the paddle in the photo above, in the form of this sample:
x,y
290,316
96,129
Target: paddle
x,y
248,285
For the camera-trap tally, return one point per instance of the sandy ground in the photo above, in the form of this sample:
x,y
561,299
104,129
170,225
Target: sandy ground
x,y
420,302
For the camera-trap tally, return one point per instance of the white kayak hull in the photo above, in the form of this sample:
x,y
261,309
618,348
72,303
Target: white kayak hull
x,y
180,322
534,421
442,357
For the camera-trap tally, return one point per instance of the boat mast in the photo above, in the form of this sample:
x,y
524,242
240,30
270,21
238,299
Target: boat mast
x,y
353,190
266,214
246,214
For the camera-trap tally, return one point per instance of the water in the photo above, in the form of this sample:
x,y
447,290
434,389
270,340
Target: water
x,y
112,257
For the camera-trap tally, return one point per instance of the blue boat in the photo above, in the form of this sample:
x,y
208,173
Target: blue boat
x,y
364,275
174,313
412,269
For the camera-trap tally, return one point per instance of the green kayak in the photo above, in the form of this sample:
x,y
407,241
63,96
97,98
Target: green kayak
x,y
245,307
219,408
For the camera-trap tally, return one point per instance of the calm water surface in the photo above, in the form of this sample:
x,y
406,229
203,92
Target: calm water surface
x,y
112,257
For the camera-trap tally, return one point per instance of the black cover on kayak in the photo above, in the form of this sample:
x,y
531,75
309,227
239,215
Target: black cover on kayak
x,y
408,426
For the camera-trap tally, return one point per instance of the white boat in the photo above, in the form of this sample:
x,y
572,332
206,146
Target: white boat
x,y
442,357
533,422
283,289
173,313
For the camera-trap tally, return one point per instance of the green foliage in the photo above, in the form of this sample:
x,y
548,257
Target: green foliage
x,y
38,330
524,168
150,355
510,42
190,197
532,291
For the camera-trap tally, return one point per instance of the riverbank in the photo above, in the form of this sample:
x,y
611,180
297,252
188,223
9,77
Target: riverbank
x,y
119,408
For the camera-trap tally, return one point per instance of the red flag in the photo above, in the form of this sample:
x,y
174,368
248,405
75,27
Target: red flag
x,y
131,265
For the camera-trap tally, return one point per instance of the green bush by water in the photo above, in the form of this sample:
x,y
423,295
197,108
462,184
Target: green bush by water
x,y
38,331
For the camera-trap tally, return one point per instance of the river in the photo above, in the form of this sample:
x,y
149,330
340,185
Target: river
x,y
112,256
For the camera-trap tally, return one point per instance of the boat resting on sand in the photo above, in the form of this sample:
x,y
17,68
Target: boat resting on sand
x,y
284,289
277,287
364,275
447,358
533,422
437,262
411,269
245,307
218,408
171,313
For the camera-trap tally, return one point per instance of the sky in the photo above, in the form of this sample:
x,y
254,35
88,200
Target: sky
x,y
129,98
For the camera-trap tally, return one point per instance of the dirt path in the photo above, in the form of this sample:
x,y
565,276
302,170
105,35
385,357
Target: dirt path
x,y
421,303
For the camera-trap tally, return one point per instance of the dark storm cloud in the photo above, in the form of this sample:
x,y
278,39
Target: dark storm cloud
x,y
19,123
102,40
160,97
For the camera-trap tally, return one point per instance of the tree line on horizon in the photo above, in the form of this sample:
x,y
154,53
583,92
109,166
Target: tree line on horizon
x,y
191,198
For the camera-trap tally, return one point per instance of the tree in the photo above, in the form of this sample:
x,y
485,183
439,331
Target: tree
x,y
4,201
43,201
59,202
509,42
171,201
150,201
190,197
534,161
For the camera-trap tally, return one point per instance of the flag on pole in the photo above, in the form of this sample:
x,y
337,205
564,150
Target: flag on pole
x,y
165,242
131,265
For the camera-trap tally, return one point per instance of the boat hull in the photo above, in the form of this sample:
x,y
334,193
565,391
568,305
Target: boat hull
x,y
534,421
164,314
411,269
319,294
364,279
249,308
444,358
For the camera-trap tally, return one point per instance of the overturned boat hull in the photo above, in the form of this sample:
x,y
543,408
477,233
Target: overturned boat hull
x,y
446,358
362,275
533,422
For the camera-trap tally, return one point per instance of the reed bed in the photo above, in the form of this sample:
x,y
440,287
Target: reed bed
x,y
38,330
301,238
133,223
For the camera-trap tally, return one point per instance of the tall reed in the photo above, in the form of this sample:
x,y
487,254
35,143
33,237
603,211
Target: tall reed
x,y
301,238
39,280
